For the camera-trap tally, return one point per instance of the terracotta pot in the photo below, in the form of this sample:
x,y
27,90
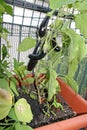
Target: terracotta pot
x,y
77,103
75,123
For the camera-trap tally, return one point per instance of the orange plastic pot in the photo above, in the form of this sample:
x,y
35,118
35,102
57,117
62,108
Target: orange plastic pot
x,y
77,103
75,123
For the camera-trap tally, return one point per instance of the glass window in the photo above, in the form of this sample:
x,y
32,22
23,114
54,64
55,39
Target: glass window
x,y
17,20
7,18
18,11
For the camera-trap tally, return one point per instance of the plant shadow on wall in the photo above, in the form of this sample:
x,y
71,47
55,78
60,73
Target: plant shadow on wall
x,y
42,86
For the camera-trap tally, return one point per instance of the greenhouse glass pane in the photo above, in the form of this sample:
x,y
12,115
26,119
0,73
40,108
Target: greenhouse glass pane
x,y
7,18
17,20
32,1
35,22
18,11
27,21
28,13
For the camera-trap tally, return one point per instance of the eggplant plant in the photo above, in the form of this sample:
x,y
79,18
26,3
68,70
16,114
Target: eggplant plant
x,y
49,52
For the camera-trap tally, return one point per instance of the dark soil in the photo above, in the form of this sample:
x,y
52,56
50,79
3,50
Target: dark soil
x,y
40,118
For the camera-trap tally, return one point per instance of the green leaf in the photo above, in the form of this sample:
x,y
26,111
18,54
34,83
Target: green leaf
x,y
73,84
56,4
4,52
72,67
9,128
13,88
82,51
55,59
17,63
29,80
75,44
21,69
65,25
4,84
19,126
23,111
76,51
57,24
26,44
81,6
5,103
4,36
33,95
4,67
5,30
57,105
42,65
81,23
14,80
42,70
52,84
8,9
1,128
1,20
12,114
2,9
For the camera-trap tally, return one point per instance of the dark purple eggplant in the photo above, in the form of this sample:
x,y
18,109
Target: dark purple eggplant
x,y
34,59
36,48
37,56
43,26
31,64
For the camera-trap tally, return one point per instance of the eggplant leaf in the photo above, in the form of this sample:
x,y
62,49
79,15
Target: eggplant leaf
x,y
5,103
52,84
56,4
23,111
81,6
26,44
72,67
76,51
4,52
77,42
81,23
73,84
13,88
12,114
19,126
5,85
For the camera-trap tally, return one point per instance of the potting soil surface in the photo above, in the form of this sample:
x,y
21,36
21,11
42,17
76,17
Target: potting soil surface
x,y
40,118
